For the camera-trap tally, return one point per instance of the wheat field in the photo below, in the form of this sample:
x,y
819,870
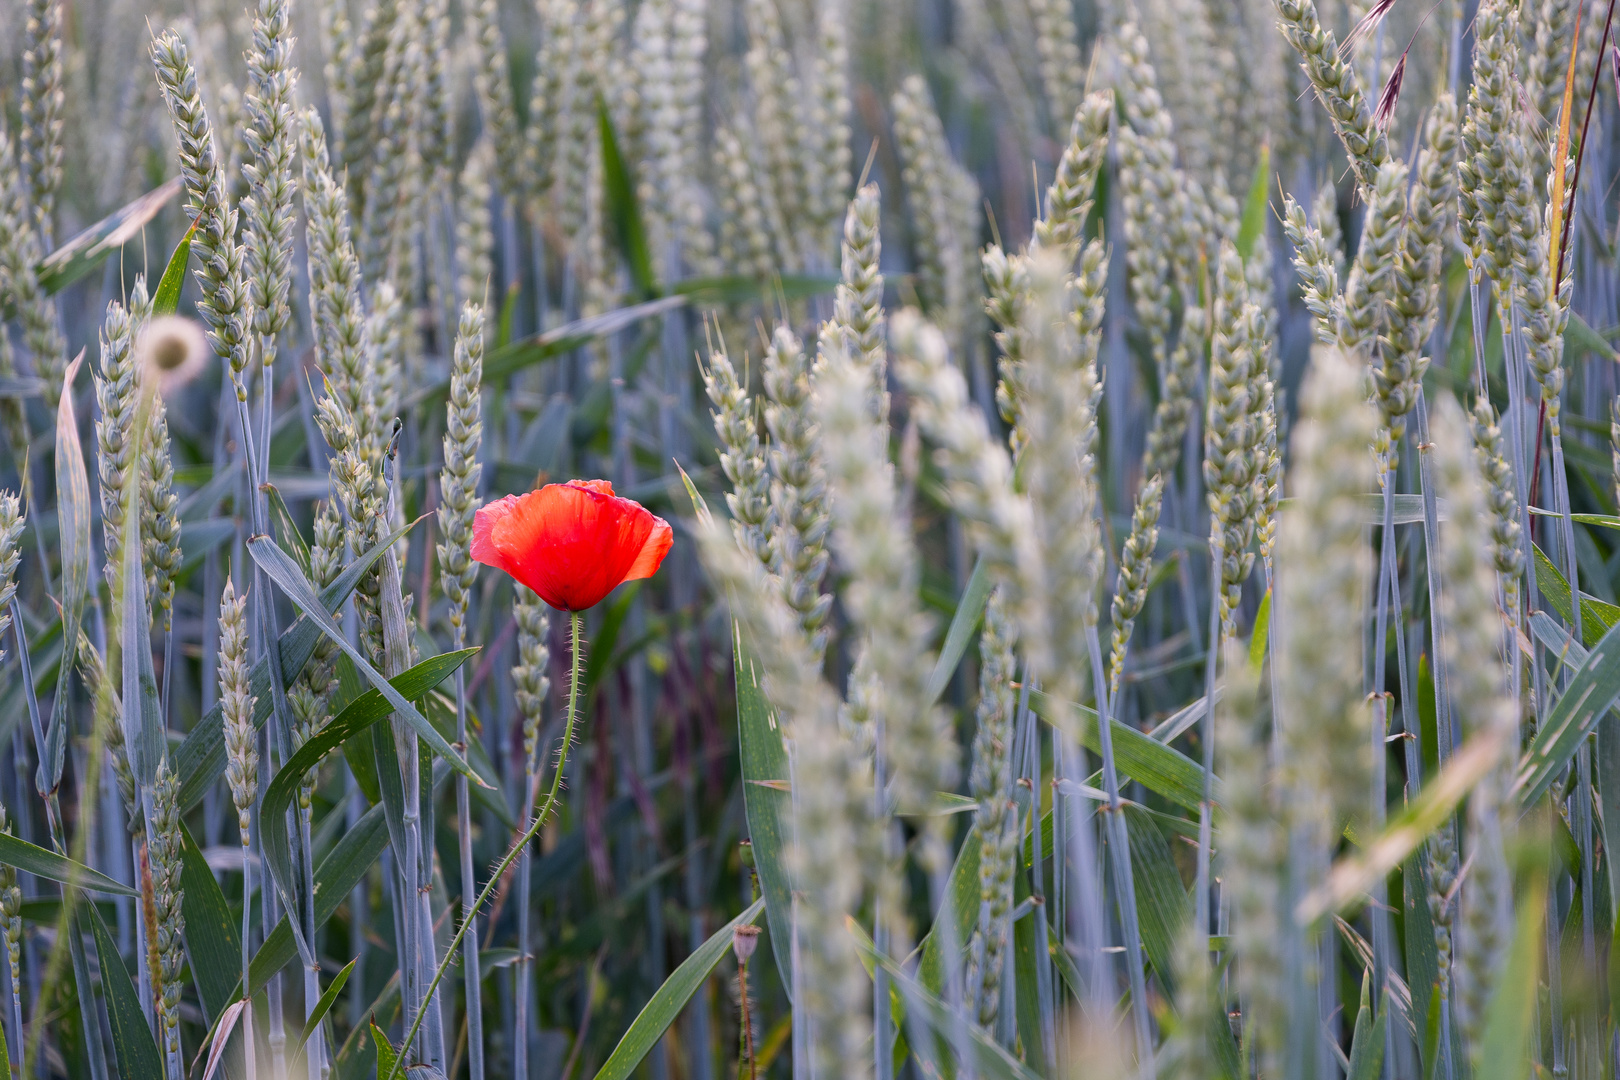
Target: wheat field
x,y
831,539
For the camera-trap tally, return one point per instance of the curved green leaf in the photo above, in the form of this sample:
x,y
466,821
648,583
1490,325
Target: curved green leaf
x,y
132,1039
969,610
360,715
312,1022
1162,903
291,580
624,214
213,939
167,298
73,516
742,289
386,1054
1596,616
990,1058
89,248
1592,691
286,526
1144,759
1257,637
961,900
200,758
1253,223
766,802
19,853
335,877
671,998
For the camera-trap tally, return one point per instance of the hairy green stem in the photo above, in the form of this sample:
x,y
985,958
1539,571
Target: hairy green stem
x,y
575,626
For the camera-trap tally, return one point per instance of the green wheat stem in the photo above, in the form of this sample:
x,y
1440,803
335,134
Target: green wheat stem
x,y
575,622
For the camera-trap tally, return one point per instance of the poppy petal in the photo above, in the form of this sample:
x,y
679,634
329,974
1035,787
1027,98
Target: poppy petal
x,y
484,522
571,543
652,551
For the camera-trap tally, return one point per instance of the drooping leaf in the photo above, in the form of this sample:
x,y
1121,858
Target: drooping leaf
x,y
969,610
19,853
200,759
132,1039
81,254
739,289
166,301
219,1036
292,582
514,356
1354,874
1155,766
359,715
656,1016
357,752
335,878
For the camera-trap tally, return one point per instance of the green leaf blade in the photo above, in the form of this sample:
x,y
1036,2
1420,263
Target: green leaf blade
x,y
166,301
132,1039
766,802
297,588
650,1024
19,853
200,758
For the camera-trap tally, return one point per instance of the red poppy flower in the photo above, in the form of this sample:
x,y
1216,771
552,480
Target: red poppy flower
x,y
571,543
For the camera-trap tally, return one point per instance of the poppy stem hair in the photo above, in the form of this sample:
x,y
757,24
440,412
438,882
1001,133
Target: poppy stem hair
x,y
575,624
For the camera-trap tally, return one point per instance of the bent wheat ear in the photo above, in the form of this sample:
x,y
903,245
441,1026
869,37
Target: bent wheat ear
x,y
1337,86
